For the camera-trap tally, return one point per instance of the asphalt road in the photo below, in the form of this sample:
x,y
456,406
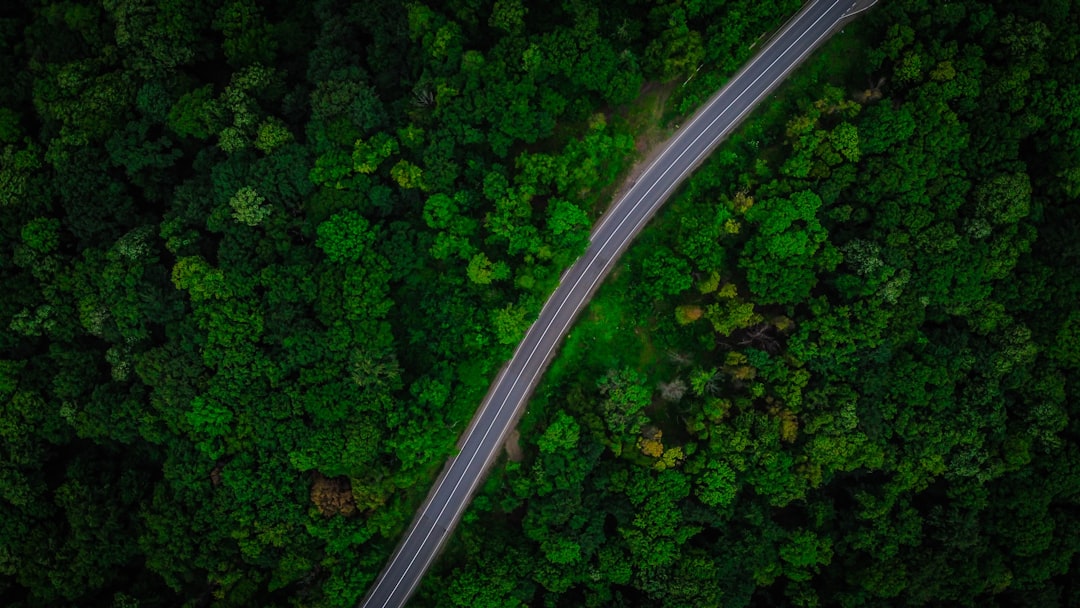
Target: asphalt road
x,y
508,395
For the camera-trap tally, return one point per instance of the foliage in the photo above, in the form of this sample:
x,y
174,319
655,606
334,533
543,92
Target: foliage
x,y
262,259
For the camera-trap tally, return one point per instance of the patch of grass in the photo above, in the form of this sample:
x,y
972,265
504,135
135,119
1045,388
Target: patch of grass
x,y
838,62
600,334
642,119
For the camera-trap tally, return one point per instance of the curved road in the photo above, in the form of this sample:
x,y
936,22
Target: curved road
x,y
507,397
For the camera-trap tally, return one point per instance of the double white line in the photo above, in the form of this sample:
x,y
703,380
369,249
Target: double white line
x,y
603,271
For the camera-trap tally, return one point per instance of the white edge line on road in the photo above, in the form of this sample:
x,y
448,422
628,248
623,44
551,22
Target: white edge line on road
x,y
861,10
565,300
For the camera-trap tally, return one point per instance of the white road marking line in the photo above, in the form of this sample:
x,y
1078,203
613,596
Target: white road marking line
x,y
593,284
863,9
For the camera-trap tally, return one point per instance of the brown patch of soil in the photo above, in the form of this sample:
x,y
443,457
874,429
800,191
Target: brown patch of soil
x,y
646,114
513,446
332,496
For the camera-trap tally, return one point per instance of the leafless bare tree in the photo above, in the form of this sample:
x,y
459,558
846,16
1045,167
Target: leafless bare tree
x,y
679,358
763,336
673,391
423,97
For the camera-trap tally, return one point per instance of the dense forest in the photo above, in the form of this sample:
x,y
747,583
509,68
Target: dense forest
x,y
261,260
